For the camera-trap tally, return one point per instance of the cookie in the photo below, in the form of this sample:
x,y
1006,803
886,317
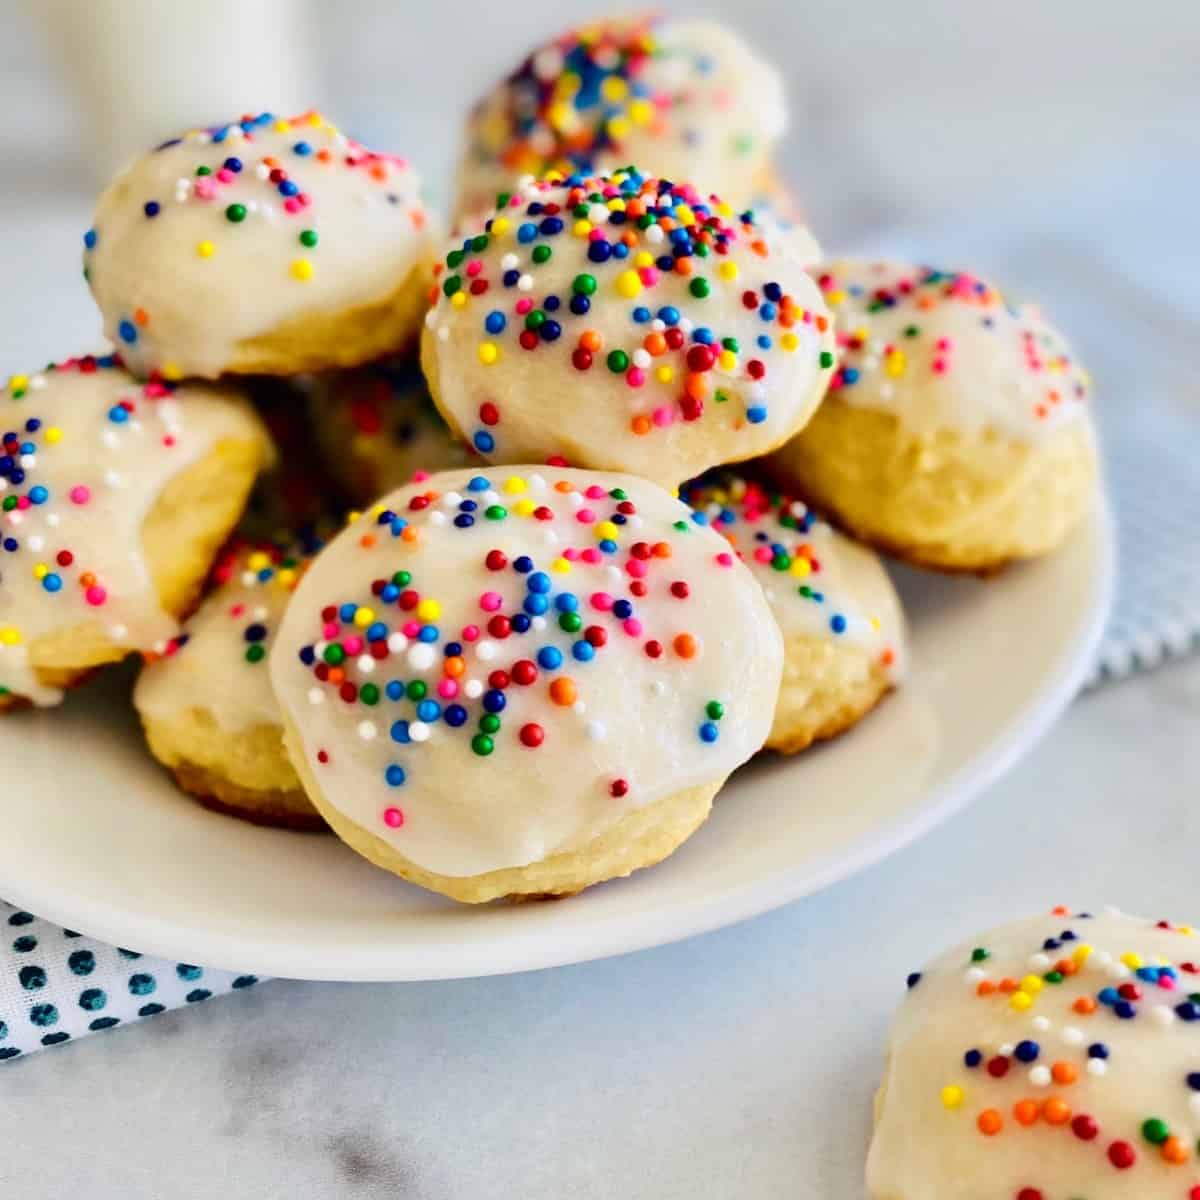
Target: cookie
x,y
956,433
629,324
1053,1057
679,97
843,630
523,681
266,245
115,496
206,702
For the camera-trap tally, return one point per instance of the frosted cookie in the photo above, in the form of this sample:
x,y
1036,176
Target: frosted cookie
x,y
523,682
206,703
955,433
114,499
377,427
1052,1058
843,631
625,323
264,246
682,98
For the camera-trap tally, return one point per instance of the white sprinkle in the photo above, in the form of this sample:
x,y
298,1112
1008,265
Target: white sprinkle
x,y
420,656
451,500
575,499
1119,970
1163,1015
1041,1024
367,730
654,235
598,215
1072,1036
53,520
596,730
473,689
1005,1049
658,687
119,632
262,171
418,731
525,283
1040,1076
261,612
1194,1104
579,708
438,519
537,482
109,438
366,664
397,642
974,975
38,382
686,324
431,318
658,325
28,460
887,390
316,696
509,262
36,543
1039,962
1097,1066
112,479
443,333
1102,958
641,357
538,623
486,650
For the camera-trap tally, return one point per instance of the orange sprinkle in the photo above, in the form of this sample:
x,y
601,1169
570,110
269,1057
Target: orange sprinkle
x,y
641,425
696,385
1084,1006
985,988
683,266
1060,910
822,323
409,534
1064,1072
378,171
888,657
1057,1111
990,1122
454,666
324,156
337,675
564,486
591,340
367,541
141,316
1008,986
1174,1150
1026,1111
563,691
685,645
661,549
655,344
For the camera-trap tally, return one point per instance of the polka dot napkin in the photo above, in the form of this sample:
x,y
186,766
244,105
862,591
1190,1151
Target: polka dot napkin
x,y
56,985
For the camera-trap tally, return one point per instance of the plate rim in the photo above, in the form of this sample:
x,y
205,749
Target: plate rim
x,y
742,902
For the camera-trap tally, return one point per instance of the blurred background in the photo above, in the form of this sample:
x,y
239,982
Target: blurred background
x,y
1053,145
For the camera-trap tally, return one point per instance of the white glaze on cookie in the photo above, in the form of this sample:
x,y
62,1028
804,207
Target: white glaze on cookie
x,y
87,451
227,233
818,582
942,350
626,324
683,98
219,662
1051,1058
635,658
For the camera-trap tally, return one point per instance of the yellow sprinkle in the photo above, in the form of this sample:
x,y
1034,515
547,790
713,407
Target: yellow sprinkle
x,y
53,435
302,268
835,298
524,507
561,566
1132,960
875,624
488,353
618,127
614,88
665,374
258,560
895,363
282,126
514,485
582,227
1186,930
18,383
629,284
429,610
800,567
40,571
458,300
316,120
641,111
1021,1001
286,576
376,510
605,529
10,636
364,616
353,516
727,360
206,249
952,1096
789,341
171,372
616,204
643,259
1032,984
728,270
725,209
684,215
561,116
1082,953
500,226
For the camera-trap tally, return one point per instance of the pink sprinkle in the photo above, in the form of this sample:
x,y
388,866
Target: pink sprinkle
x,y
236,610
470,633
662,416
447,688
393,818
490,601
204,188
80,494
155,390
1166,983
23,502
636,568
410,629
420,476
96,595
595,492
585,516
524,305
635,377
224,174
474,267
943,343
292,204
591,555
329,630
649,276
596,235
601,601
304,199
571,554
633,627
724,559
353,645
939,366
763,554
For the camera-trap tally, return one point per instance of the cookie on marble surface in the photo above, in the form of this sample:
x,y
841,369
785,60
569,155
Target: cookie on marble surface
x,y
115,496
206,703
681,97
956,433
843,629
1050,1058
524,680
629,324
377,427
267,245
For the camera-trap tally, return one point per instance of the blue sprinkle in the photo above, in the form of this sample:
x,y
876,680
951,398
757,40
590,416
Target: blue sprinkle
x,y
566,602
1097,1050
539,581
394,775
52,582
428,633
583,651
1108,995
90,239
669,315
495,322
302,148
756,414
622,609
972,1058
399,732
549,658
484,442
837,623
535,605
455,715
527,232
38,494
151,208
641,314
709,732
118,415
478,483
520,623
429,710
1027,1052
523,564
1125,1010
494,700
849,374
127,332
465,520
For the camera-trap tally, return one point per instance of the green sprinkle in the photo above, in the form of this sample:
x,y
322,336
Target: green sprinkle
x,y
235,213
570,622
308,237
495,512
334,655
1155,1131
535,320
715,710
489,723
204,170
453,284
911,331
583,285
402,578
699,288
255,653
479,243
826,359
454,259
369,693
541,254
482,745
979,954
617,361
416,690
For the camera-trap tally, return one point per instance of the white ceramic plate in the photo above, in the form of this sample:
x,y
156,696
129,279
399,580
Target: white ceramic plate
x,y
96,838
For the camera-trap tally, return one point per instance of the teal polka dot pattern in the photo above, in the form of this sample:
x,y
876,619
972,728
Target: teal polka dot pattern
x,y
57,985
